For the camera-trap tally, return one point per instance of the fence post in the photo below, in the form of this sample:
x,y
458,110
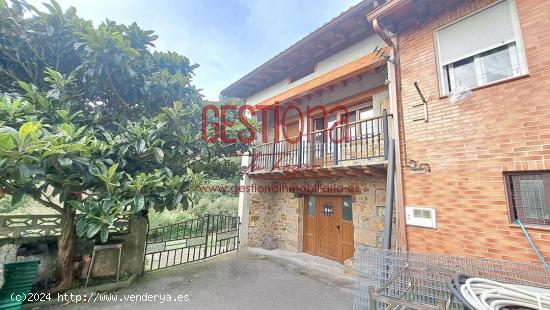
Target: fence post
x,y
273,156
252,160
206,235
238,232
386,133
300,151
335,143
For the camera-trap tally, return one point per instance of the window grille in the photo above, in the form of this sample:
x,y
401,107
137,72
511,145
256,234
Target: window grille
x,y
529,196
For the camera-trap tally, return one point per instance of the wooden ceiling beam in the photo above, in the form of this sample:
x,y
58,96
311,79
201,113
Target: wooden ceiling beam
x,y
360,20
352,173
273,69
339,34
308,173
338,172
321,45
375,171
323,173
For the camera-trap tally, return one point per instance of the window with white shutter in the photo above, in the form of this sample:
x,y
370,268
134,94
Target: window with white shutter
x,y
481,48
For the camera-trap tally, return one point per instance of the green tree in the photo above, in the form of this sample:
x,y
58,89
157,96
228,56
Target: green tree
x,y
92,121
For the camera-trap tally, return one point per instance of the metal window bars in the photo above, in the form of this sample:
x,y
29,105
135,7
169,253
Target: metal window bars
x,y
529,196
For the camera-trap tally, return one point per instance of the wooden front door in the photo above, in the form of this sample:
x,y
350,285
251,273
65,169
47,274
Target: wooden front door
x,y
329,237
328,227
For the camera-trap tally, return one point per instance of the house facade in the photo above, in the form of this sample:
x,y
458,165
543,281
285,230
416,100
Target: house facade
x,y
318,174
457,90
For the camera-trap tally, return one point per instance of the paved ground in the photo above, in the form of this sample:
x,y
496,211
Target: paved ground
x,y
231,281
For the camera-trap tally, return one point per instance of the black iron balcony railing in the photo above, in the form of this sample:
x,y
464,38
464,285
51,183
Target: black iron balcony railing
x,y
352,143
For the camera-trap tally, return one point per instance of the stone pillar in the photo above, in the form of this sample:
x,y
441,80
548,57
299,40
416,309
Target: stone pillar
x,y
133,248
133,251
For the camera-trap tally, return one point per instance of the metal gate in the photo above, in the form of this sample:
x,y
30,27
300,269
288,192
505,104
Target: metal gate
x,y
191,241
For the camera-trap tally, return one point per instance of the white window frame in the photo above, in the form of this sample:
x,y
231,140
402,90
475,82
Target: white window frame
x,y
515,61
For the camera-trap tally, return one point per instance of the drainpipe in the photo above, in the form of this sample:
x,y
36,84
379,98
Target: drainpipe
x,y
393,89
390,191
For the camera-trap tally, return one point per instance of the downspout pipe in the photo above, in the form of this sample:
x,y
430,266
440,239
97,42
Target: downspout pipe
x,y
390,192
394,95
382,34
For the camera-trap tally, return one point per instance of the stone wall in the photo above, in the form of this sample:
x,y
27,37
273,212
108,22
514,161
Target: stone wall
x,y
260,213
280,214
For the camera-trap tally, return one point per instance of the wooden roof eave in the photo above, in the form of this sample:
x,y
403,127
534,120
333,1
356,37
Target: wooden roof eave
x,y
345,72
385,9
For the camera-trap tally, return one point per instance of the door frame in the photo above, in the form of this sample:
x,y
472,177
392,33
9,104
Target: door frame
x,y
306,235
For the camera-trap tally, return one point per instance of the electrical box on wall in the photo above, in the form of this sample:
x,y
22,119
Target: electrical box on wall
x,y
420,216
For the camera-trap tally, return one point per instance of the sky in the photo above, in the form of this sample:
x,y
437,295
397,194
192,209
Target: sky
x,y
227,38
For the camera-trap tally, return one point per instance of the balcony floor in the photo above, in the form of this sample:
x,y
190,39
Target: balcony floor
x,y
372,167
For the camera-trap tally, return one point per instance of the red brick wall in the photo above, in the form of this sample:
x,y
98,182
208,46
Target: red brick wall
x,y
469,145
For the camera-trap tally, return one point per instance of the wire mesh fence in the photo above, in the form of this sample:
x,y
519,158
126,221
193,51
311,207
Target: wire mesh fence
x,y
399,279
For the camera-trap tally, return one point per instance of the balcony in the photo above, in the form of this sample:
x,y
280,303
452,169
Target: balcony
x,y
352,149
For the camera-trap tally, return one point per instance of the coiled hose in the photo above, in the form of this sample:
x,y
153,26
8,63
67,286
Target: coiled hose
x,y
485,294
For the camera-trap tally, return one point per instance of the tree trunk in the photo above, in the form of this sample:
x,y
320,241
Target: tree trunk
x,y
65,251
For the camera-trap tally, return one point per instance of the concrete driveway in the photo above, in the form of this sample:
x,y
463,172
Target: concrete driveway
x,y
230,281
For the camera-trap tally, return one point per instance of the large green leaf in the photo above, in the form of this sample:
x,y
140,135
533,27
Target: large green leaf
x,y
106,205
159,154
65,162
139,203
81,227
104,234
29,129
112,170
24,173
6,141
93,229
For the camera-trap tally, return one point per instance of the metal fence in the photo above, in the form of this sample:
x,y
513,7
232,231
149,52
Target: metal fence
x,y
388,279
361,140
192,240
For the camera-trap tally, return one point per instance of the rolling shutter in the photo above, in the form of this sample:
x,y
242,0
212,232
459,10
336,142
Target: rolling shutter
x,y
490,28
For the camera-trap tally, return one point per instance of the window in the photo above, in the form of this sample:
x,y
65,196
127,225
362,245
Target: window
x,y
320,135
361,129
480,49
311,205
347,214
328,208
529,197
368,128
